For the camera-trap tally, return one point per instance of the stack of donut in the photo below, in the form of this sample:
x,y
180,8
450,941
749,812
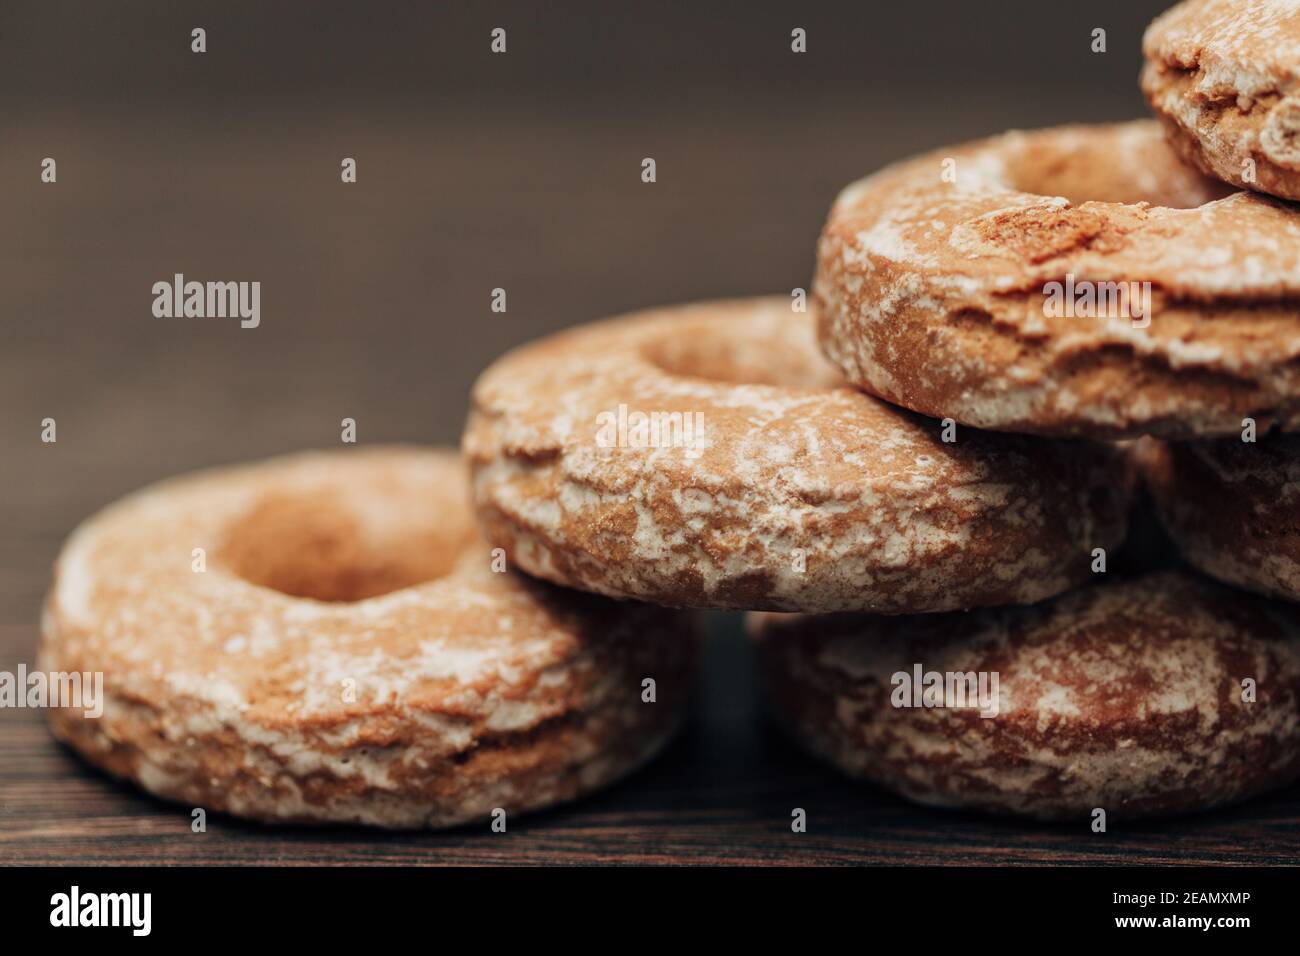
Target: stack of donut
x,y
926,472
941,502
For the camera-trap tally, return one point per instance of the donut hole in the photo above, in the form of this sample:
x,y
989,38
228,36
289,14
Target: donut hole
x,y
1111,168
327,547
777,348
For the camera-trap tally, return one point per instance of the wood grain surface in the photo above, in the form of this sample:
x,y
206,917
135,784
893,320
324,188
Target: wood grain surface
x,y
375,306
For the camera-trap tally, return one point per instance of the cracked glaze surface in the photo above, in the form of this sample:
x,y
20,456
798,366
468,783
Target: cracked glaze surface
x,y
804,495
1124,696
1233,507
934,293
472,689
1222,76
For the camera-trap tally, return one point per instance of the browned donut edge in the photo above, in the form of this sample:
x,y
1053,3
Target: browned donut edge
x,y
828,683
1217,74
1230,506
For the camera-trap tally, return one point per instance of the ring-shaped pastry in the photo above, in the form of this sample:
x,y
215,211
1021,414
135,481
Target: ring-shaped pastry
x,y
324,637
708,456
1075,281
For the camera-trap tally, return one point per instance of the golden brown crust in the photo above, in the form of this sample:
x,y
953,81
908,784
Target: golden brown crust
x,y
803,495
1233,507
1224,77
1124,696
938,295
460,691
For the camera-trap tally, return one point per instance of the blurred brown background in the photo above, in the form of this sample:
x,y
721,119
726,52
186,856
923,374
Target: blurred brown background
x,y
476,171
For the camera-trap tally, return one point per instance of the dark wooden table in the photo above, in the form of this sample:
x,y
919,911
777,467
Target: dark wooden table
x,y
376,307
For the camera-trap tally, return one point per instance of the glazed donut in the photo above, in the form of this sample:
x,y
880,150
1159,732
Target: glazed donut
x,y
1224,78
1014,298
346,652
1233,507
781,489
1125,696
